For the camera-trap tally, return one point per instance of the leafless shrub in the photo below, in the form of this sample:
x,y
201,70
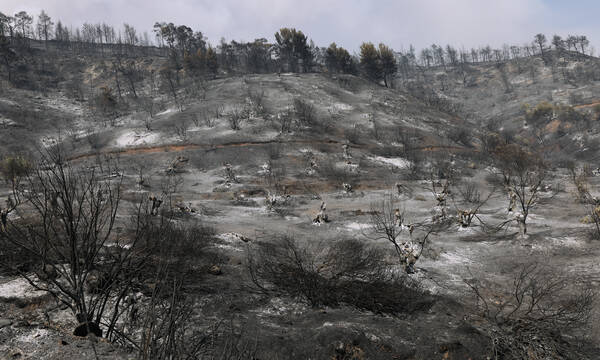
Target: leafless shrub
x,y
504,76
168,332
576,98
585,198
14,169
167,328
181,129
274,150
469,192
218,111
523,174
460,135
529,319
387,223
347,83
433,99
414,170
389,151
235,117
305,112
149,106
494,180
93,138
275,177
170,185
345,272
204,117
353,134
197,118
378,131
285,121
257,98
66,229
338,174
66,222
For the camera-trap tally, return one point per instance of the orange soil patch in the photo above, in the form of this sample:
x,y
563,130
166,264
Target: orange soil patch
x,y
207,147
553,125
583,106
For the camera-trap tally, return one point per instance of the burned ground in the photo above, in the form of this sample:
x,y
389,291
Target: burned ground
x,y
285,159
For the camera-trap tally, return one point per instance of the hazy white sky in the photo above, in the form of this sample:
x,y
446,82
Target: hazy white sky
x,y
398,23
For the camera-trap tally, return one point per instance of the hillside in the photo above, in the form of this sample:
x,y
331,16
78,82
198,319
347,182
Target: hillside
x,y
285,187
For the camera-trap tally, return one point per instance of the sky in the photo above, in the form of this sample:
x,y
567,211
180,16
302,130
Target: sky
x,y
397,23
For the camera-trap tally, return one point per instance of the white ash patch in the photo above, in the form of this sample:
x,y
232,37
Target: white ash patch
x,y
33,336
132,138
18,289
340,324
226,247
468,230
196,128
313,151
562,242
356,226
396,162
233,238
456,258
48,141
8,102
535,219
121,246
409,247
279,306
64,104
167,111
7,122
342,107
265,169
520,79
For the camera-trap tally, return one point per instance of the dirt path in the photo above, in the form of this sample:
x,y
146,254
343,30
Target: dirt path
x,y
583,106
185,147
213,147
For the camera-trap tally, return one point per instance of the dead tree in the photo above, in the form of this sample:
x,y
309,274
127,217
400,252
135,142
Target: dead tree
x,y
523,173
387,223
471,196
66,222
526,319
171,83
441,192
586,199
167,327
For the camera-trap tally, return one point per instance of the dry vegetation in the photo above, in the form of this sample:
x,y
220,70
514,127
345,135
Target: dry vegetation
x,y
186,203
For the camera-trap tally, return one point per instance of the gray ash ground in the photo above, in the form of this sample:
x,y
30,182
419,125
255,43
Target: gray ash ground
x,y
33,326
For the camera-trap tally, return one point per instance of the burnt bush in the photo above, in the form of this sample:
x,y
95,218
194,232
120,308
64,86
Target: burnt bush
x,y
178,249
15,259
460,135
470,193
338,174
432,98
13,167
530,318
344,272
305,112
258,100
353,135
235,117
